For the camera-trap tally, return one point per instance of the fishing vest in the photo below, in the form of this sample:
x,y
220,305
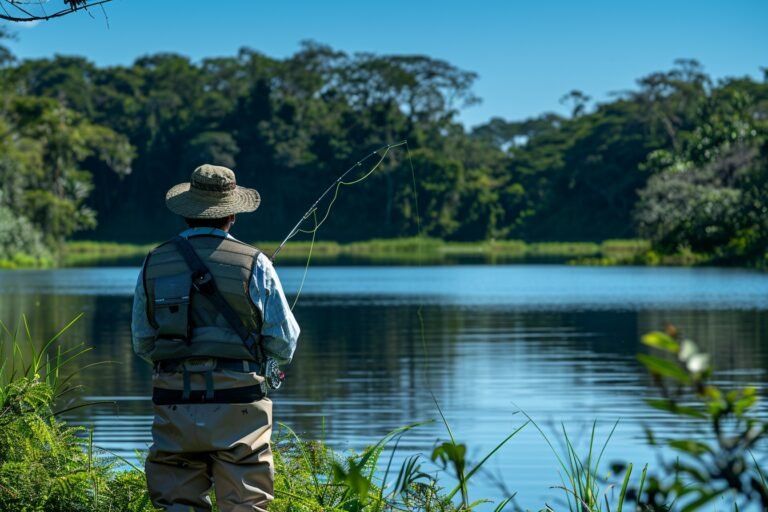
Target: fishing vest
x,y
187,323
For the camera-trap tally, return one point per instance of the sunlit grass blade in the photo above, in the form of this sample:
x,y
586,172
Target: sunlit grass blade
x,y
546,439
642,482
576,497
624,485
605,444
504,503
59,412
389,466
60,389
482,461
61,332
303,452
759,471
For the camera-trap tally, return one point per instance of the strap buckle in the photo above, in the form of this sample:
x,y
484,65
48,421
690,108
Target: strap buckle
x,y
203,283
198,365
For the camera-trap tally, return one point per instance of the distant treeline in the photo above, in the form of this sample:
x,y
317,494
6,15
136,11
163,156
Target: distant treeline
x,y
91,151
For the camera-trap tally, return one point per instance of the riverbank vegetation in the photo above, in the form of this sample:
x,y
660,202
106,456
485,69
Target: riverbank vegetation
x,y
49,466
398,251
679,160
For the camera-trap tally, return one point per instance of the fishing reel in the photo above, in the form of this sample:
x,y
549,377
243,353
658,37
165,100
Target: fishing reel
x,y
273,375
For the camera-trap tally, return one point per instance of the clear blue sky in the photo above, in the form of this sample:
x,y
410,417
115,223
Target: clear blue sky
x,y
528,54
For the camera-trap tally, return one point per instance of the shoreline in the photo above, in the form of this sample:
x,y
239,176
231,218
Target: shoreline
x,y
405,251
402,251
398,251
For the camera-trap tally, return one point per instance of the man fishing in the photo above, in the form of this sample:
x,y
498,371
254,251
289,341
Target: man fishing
x,y
210,314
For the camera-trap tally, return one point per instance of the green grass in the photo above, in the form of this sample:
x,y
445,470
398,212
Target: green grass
x,y
21,260
399,251
627,247
84,253
563,249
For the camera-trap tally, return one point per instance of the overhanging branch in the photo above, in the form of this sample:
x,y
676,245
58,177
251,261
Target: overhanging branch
x,y
27,15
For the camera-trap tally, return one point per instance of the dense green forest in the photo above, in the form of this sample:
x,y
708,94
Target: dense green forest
x,y
89,152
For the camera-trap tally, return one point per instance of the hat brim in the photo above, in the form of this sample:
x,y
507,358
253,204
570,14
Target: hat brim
x,y
196,204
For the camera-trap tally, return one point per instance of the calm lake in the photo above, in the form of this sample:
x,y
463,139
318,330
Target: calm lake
x,y
558,342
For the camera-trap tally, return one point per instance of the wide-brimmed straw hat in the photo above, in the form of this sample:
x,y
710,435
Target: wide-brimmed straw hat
x,y
211,193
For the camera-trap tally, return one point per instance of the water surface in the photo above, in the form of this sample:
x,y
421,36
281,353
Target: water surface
x,y
558,342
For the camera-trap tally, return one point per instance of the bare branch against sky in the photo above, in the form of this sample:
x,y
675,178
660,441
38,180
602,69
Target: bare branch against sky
x,y
21,11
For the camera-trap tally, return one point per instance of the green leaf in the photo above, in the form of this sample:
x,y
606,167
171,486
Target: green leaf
x,y
449,452
713,393
690,446
624,485
504,503
670,406
704,498
354,479
716,408
664,368
662,341
747,400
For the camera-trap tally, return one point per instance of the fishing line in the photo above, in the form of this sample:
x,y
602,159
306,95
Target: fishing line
x,y
335,186
306,267
339,184
420,246
313,211
419,314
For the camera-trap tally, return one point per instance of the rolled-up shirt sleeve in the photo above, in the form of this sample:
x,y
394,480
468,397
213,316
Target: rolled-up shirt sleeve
x,y
280,331
142,333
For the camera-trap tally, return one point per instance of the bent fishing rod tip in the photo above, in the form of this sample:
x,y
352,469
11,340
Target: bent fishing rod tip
x,y
390,146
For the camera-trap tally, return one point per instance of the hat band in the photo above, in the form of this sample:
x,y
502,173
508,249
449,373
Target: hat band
x,y
213,187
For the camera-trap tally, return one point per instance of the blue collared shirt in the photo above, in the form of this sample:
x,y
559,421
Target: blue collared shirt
x,y
279,329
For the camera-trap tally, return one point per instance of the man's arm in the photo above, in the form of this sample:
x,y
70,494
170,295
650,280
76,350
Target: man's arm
x,y
280,330
143,334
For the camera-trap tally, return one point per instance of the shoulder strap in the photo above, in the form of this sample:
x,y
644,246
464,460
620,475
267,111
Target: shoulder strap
x,y
202,282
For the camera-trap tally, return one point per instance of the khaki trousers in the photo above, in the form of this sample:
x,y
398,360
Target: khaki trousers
x,y
197,447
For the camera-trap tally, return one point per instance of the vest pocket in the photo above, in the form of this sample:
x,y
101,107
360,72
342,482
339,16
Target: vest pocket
x,y
171,306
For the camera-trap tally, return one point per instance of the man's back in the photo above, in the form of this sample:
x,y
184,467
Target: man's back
x,y
210,344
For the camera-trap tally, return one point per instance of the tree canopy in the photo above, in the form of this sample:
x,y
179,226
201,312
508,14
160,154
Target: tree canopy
x,y
680,159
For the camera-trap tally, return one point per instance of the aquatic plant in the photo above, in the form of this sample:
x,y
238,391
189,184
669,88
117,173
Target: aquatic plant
x,y
584,489
724,461
721,463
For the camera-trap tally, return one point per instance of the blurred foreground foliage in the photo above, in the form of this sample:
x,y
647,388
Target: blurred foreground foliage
x,y
728,458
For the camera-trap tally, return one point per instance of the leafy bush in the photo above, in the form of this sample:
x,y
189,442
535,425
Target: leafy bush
x,y
21,244
45,465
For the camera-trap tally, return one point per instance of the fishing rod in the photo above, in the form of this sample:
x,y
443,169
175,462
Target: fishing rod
x,y
336,184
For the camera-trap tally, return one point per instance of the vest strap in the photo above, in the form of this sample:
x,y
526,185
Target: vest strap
x,y
203,283
209,385
187,385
